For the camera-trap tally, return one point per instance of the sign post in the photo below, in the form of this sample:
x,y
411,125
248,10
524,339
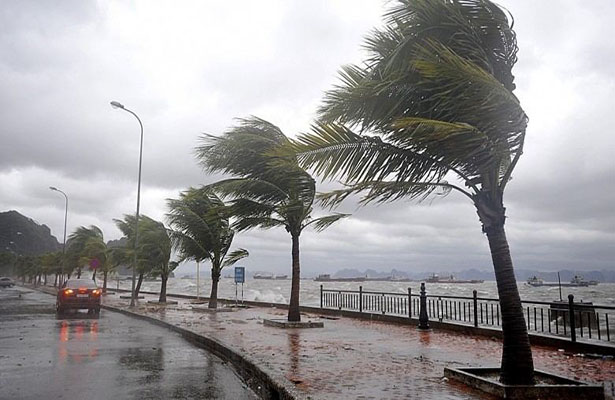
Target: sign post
x,y
240,277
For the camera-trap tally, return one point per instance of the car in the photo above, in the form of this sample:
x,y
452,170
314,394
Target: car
x,y
6,282
78,294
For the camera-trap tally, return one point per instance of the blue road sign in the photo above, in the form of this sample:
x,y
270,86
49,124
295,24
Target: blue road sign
x,y
240,274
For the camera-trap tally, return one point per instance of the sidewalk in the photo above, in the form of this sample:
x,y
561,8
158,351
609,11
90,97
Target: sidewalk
x,y
350,358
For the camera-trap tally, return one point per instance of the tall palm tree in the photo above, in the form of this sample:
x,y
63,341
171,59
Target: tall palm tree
x,y
435,107
267,189
83,245
201,231
154,250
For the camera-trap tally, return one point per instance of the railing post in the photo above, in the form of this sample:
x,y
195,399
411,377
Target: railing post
x,y
423,317
475,300
360,299
320,296
409,303
573,332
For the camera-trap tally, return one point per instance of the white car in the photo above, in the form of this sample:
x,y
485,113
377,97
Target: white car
x,y
6,282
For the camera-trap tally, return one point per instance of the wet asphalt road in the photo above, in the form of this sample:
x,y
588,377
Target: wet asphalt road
x,y
113,357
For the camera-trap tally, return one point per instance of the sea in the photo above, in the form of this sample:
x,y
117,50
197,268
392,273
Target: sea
x,y
278,291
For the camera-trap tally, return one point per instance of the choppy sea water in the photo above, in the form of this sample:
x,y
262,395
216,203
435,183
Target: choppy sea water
x,y
278,291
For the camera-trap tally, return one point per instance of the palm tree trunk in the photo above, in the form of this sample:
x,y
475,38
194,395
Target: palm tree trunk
x,y
215,278
517,364
163,288
105,281
293,310
79,273
139,282
94,275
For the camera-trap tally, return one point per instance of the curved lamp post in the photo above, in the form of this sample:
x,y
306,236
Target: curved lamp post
x,y
116,104
64,241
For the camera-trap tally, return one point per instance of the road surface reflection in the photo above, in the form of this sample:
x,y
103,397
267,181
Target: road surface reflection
x,y
78,341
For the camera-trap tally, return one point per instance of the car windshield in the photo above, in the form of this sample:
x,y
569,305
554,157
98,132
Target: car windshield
x,y
80,283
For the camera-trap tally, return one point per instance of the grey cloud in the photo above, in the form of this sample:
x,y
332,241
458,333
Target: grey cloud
x,y
64,62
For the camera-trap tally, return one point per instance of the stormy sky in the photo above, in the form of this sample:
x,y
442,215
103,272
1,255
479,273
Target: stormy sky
x,y
191,67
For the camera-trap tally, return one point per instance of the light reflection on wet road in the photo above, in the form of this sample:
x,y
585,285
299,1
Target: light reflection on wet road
x,y
112,357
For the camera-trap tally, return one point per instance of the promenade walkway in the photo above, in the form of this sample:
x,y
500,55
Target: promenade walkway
x,y
356,359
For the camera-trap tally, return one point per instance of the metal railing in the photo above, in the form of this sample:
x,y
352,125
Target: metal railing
x,y
560,318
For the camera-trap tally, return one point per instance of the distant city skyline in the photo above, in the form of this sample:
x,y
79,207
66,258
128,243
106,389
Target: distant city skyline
x,y
191,68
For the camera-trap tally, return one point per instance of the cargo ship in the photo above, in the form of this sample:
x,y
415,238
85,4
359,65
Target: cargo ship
x,y
577,281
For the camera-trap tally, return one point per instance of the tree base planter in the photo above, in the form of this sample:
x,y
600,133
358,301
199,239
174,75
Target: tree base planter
x,y
199,301
163,303
548,386
284,323
237,305
212,310
130,297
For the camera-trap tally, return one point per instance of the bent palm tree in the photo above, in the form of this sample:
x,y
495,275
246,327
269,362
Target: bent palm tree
x,y
436,98
151,252
85,245
155,249
201,231
268,190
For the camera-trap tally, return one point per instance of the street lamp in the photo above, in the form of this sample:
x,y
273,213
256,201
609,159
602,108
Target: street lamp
x,y
64,242
116,104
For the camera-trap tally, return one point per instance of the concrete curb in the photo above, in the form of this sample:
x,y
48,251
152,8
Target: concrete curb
x,y
267,384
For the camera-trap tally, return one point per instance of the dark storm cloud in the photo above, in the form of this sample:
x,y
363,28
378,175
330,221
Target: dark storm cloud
x,y
190,68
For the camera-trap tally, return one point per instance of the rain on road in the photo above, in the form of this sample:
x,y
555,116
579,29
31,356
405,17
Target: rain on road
x,y
114,356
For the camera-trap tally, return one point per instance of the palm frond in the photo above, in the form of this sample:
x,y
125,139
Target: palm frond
x,y
333,150
234,256
383,192
323,223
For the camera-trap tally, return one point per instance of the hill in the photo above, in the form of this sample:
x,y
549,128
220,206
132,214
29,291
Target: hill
x,y
23,236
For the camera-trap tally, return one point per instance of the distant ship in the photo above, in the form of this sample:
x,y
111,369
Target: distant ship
x,y
434,278
281,277
327,278
577,281
263,276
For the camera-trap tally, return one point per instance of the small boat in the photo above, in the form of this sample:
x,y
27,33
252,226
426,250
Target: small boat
x,y
434,278
535,281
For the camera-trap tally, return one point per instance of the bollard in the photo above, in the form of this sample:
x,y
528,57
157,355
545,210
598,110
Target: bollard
x,y
423,317
475,299
320,296
573,332
360,299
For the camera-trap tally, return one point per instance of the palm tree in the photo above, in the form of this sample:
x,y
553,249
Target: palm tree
x,y
153,251
201,231
267,189
435,107
85,245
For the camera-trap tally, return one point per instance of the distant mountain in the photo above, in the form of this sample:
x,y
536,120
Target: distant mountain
x,y
122,242
487,275
23,236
